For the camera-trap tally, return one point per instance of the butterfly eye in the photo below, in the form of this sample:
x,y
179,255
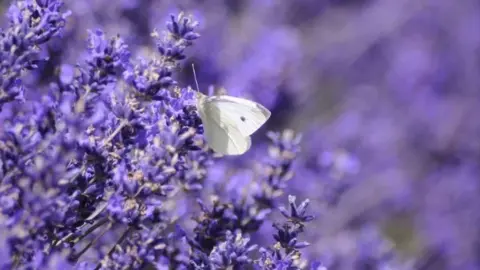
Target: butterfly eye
x,y
243,118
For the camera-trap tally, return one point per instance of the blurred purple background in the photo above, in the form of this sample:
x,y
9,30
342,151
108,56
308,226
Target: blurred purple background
x,y
385,93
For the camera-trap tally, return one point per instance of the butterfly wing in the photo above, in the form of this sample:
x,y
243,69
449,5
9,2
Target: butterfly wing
x,y
247,116
222,135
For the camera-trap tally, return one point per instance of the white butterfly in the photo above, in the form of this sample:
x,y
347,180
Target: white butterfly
x,y
229,121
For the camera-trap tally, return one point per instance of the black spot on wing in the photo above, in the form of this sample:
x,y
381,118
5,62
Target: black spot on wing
x,y
243,118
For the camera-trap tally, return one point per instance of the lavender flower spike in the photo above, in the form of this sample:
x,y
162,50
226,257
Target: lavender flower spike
x,y
297,213
153,76
31,23
278,166
285,253
234,252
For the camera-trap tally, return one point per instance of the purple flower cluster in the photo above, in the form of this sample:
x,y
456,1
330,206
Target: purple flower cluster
x,y
94,165
30,24
104,165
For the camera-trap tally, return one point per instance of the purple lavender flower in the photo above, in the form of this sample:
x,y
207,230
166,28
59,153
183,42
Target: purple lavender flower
x,y
175,250
297,213
212,226
146,247
31,24
250,215
272,259
234,252
181,34
150,77
43,160
285,253
94,172
278,167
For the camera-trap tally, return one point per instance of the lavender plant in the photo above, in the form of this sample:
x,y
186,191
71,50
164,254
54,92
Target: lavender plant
x,y
30,24
103,164
90,169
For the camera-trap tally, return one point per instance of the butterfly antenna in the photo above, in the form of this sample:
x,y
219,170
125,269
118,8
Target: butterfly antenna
x,y
195,77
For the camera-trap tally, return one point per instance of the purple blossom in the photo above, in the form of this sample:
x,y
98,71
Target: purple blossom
x,y
278,166
104,165
150,77
114,157
285,253
234,252
297,213
31,24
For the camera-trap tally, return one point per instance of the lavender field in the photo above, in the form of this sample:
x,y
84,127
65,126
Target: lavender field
x,y
370,159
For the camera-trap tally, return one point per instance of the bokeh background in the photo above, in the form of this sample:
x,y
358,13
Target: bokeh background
x,y
385,93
